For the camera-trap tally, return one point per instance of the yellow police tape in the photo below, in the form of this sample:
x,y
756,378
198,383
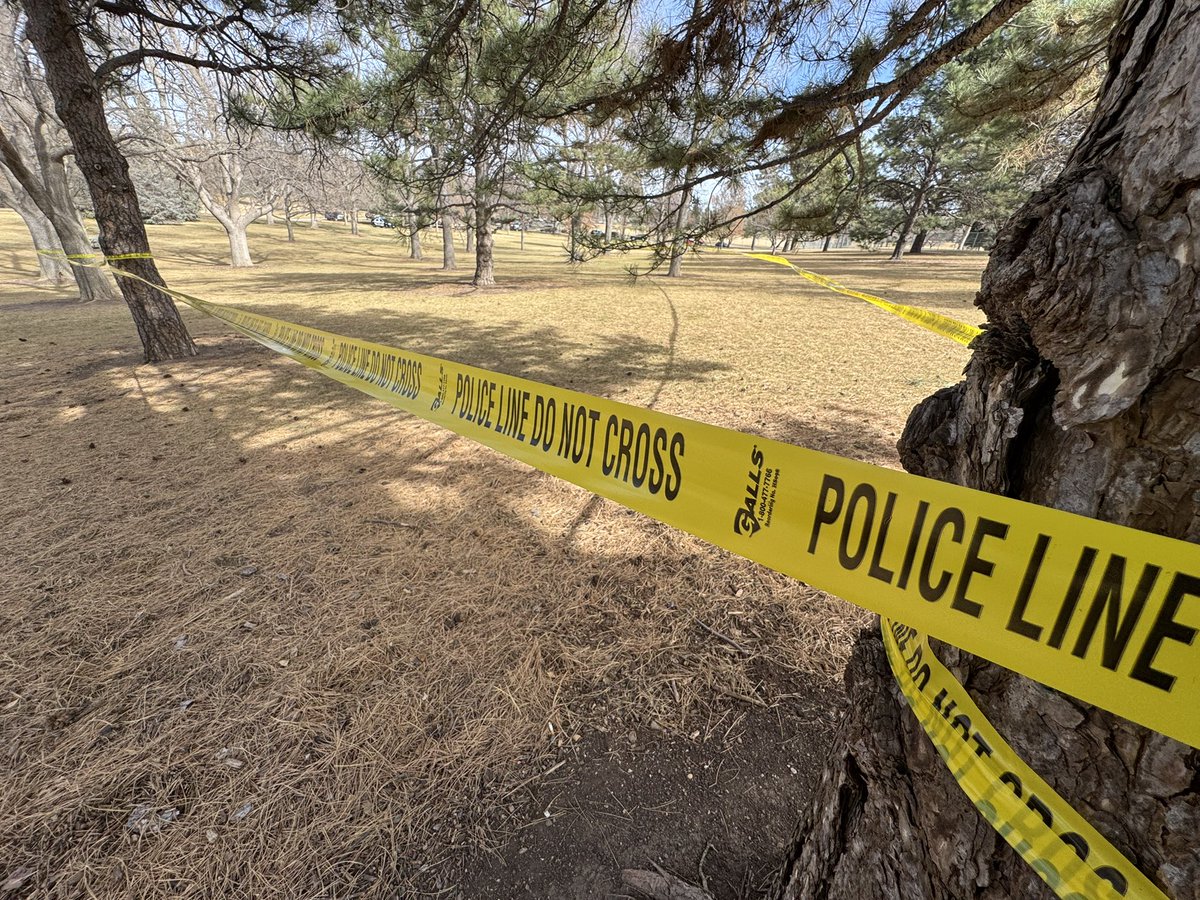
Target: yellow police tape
x,y
935,322
117,256
1097,610
1103,612
1074,859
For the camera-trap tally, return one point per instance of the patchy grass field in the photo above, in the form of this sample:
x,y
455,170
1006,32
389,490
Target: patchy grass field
x,y
263,636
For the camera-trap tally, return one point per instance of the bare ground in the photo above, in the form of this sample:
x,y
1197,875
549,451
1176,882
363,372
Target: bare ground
x,y
263,636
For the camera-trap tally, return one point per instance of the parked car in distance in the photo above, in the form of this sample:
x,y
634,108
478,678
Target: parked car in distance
x,y
514,226
382,222
335,216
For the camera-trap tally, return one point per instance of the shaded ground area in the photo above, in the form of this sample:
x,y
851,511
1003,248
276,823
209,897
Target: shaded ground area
x,y
263,636
714,806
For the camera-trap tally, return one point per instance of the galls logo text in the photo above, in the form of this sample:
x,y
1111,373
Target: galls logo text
x,y
745,520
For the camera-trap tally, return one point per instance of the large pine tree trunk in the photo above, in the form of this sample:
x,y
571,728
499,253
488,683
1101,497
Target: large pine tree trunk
x,y
79,103
1082,395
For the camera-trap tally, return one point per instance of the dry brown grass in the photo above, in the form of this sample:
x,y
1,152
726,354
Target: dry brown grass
x,y
339,640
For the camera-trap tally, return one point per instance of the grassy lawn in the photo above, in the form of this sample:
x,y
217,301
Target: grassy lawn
x,y
349,650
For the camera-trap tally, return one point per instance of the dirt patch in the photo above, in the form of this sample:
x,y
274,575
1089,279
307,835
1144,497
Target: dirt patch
x,y
715,806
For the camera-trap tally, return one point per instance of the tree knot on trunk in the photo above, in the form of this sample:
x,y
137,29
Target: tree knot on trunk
x,y
1001,348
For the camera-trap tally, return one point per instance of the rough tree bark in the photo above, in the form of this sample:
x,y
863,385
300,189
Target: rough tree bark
x,y
79,103
1082,394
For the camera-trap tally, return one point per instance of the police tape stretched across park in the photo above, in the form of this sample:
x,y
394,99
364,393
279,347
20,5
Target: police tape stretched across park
x,y
1106,613
1101,611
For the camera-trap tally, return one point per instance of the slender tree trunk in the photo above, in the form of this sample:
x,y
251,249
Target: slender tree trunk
x,y
79,103
828,241
472,219
753,241
918,244
52,265
524,228
485,270
414,239
1081,394
573,238
910,219
448,261
312,219
353,215
47,189
287,217
287,221
678,244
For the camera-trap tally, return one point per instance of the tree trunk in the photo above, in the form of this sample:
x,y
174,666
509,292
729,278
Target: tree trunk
x,y
1080,395
353,216
312,218
287,221
918,244
910,219
573,238
678,243
287,217
828,241
414,238
52,265
448,262
753,241
524,228
485,272
472,218
47,188
79,103
239,241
